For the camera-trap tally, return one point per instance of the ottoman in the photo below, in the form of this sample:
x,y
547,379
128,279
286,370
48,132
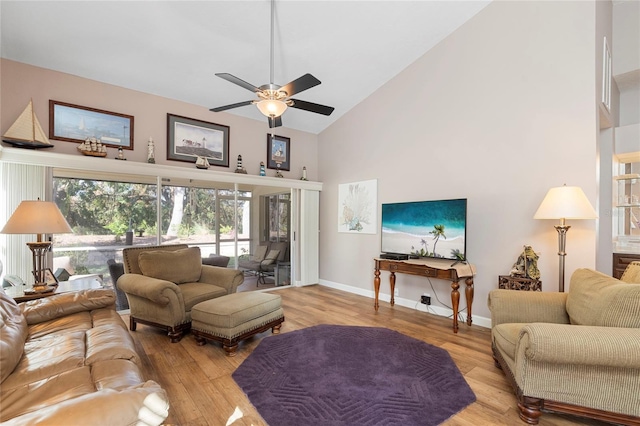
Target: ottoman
x,y
235,317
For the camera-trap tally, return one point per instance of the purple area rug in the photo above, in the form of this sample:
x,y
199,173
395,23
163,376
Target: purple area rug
x,y
331,375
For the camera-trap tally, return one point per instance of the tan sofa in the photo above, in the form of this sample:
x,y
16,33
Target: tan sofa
x,y
163,283
575,352
69,360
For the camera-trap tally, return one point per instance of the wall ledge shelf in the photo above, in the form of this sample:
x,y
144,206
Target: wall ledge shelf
x,y
108,165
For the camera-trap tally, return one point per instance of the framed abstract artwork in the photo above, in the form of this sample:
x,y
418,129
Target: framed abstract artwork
x,y
278,152
188,139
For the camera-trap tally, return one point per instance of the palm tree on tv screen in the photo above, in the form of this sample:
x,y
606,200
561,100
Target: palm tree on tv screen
x,y
438,231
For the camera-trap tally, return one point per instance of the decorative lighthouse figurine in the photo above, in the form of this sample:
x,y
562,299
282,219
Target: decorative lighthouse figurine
x,y
239,168
304,173
262,171
151,151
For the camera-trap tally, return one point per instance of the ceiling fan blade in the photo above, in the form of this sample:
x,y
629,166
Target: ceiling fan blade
x,y
310,106
235,80
275,122
226,107
300,84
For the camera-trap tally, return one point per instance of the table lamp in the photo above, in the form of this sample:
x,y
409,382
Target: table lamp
x,y
564,202
37,217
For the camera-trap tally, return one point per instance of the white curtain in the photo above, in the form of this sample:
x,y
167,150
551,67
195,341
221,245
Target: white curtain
x,y
18,182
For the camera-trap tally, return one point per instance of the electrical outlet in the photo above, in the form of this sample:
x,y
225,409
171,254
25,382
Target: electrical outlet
x,y
425,299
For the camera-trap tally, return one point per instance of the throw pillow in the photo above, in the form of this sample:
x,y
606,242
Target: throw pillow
x,y
271,257
259,253
179,266
598,299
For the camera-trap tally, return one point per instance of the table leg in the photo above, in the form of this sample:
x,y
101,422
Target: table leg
x,y
455,302
392,281
376,287
469,295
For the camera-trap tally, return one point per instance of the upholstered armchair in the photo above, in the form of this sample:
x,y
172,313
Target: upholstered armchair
x,y
163,283
575,352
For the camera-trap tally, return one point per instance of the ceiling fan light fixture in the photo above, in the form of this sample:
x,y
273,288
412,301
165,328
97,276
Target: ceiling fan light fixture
x,y
272,107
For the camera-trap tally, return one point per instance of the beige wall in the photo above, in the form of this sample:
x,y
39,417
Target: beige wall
x,y
20,82
499,112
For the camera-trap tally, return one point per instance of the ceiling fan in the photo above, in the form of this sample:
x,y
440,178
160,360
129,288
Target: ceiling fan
x,y
273,100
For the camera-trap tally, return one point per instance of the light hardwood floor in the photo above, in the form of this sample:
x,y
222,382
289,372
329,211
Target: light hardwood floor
x,y
202,392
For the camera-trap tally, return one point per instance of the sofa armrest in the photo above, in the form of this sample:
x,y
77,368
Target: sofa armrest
x,y
227,278
146,404
511,306
149,288
580,345
59,305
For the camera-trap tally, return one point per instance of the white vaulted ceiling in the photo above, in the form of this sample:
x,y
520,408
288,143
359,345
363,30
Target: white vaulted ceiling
x,y
173,49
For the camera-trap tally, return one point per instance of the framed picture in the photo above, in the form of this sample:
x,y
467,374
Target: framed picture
x,y
278,152
357,207
74,123
188,139
48,276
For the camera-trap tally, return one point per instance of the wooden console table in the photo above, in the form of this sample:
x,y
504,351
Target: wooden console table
x,y
433,268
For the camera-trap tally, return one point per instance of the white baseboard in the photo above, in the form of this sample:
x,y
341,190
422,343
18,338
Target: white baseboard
x,y
407,303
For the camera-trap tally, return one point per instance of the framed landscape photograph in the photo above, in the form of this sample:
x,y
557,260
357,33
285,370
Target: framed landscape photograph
x,y
75,123
188,139
278,152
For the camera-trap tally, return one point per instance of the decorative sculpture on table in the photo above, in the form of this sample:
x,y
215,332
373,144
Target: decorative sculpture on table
x,y
278,174
526,265
262,171
304,173
151,151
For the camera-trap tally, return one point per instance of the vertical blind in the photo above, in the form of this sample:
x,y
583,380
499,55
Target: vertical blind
x,y
18,182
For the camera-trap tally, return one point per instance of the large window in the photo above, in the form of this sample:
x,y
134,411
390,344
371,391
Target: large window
x,y
107,216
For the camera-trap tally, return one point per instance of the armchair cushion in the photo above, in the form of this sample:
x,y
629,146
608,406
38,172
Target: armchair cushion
x,y
631,273
270,258
180,266
259,253
600,300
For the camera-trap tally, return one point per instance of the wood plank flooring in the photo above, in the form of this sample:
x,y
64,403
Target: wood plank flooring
x,y
202,392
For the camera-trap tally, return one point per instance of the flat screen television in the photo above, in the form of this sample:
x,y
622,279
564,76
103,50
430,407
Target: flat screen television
x,y
426,228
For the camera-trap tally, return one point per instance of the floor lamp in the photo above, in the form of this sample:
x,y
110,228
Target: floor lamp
x,y
37,217
564,202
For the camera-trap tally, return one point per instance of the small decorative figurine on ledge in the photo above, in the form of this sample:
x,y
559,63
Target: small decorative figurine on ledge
x,y
151,151
304,173
239,168
262,172
202,162
278,174
120,154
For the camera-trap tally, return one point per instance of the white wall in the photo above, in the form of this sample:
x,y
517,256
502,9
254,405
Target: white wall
x,y
626,37
499,112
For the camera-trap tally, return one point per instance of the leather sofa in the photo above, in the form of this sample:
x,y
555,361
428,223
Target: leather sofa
x,y
162,284
575,352
68,359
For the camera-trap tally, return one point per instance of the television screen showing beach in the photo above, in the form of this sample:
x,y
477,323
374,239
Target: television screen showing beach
x,y
425,228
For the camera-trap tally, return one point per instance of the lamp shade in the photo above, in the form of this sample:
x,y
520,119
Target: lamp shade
x,y
565,202
272,107
37,217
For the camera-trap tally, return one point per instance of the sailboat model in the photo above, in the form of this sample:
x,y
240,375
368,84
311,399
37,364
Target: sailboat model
x,y
26,131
